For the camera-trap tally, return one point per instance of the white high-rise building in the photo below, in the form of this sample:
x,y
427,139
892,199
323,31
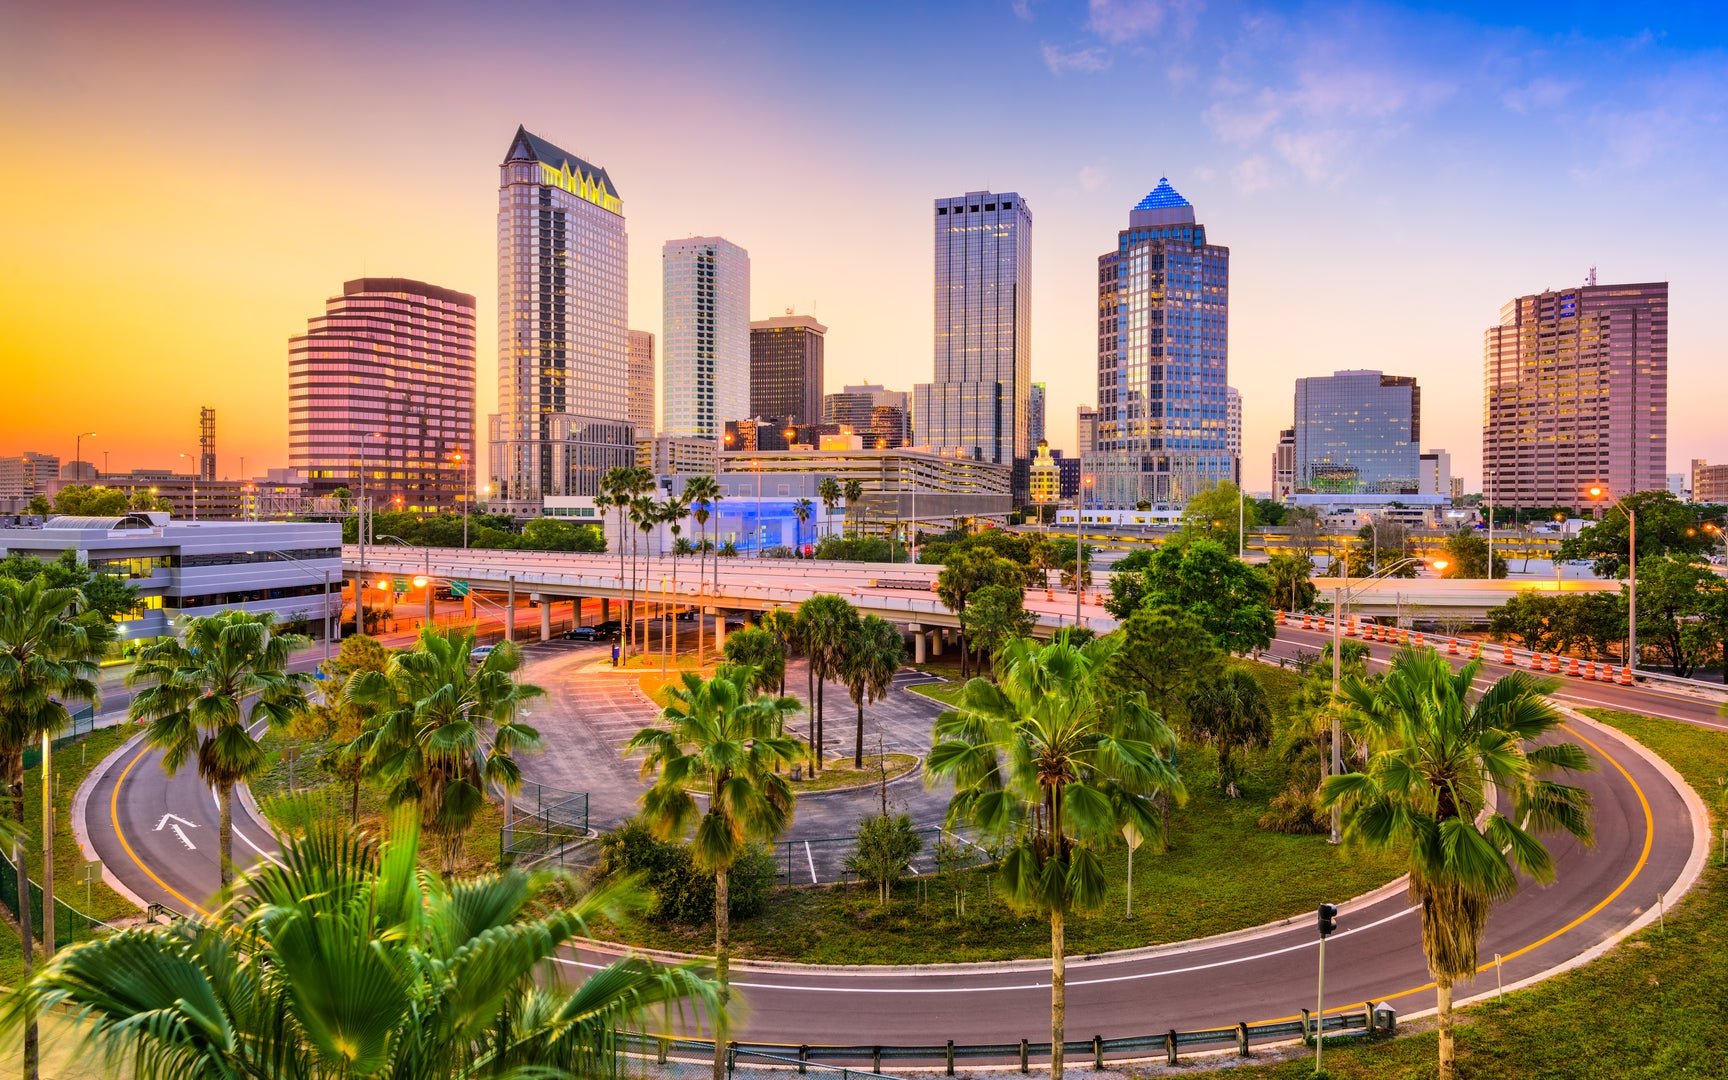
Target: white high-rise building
x,y
563,371
1233,428
706,342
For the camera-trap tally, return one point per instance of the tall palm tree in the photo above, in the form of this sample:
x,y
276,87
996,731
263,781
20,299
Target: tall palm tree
x,y
615,491
50,645
346,960
672,513
700,492
783,624
803,509
828,625
854,494
722,735
868,668
760,650
646,514
1441,768
1233,713
828,491
1052,762
436,706
205,691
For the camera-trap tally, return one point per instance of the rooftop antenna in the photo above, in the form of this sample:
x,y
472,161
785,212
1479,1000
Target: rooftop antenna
x,y
1590,279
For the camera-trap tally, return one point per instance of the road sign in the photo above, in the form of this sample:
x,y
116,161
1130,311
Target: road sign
x,y
400,585
458,589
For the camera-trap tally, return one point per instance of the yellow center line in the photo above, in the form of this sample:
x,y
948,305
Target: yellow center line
x,y
114,814
1643,858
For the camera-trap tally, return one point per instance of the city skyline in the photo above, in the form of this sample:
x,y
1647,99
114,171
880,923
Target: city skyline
x,y
1349,125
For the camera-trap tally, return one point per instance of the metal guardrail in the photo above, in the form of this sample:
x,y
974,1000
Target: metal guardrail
x,y
1367,1018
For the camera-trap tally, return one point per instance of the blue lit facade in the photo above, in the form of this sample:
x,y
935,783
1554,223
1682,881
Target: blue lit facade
x,y
1163,358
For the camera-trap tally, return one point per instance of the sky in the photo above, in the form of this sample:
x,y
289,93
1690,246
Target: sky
x,y
182,185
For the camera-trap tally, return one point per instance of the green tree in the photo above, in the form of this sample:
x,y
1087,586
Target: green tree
x,y
867,667
1270,511
50,645
1597,621
349,729
720,735
343,960
1436,761
1304,743
886,844
1532,620
994,616
1290,576
1233,714
803,510
702,493
39,506
1388,543
827,625
829,493
782,623
1166,652
83,500
202,694
1232,598
854,490
434,704
1467,556
1673,593
1213,513
1066,561
1666,526
551,534
1054,765
143,500
759,650
962,576
105,594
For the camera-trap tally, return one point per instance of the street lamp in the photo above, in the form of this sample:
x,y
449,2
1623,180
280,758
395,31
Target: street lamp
x,y
1374,556
78,449
1340,594
1599,492
1080,545
1720,535
194,487
328,623
467,491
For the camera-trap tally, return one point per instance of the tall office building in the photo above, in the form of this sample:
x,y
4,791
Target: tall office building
x,y
1233,431
706,343
1086,430
25,476
1163,357
563,367
641,389
977,406
1284,465
1436,468
1576,395
1035,414
1709,482
382,383
870,411
1358,433
786,368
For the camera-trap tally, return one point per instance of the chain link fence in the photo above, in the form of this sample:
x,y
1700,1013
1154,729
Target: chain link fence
x,y
70,924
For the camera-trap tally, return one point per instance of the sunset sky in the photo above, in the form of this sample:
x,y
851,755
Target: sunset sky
x,y
182,185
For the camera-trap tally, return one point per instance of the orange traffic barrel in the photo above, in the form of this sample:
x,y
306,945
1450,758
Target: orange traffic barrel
x,y
1590,670
1572,667
1625,676
1452,646
1506,656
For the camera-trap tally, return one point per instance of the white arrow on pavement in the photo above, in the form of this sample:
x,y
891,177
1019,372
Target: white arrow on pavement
x,y
163,824
182,835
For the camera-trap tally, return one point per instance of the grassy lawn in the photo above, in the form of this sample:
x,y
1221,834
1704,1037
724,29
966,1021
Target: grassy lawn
x,y
1222,872
1642,1011
318,792
839,773
71,764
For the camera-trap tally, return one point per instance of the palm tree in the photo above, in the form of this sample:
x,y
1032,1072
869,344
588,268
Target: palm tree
x,y
1440,770
205,691
868,668
803,509
760,650
434,704
828,625
829,492
721,734
645,515
49,650
854,494
347,960
673,512
615,491
783,624
1055,764
1232,713
700,492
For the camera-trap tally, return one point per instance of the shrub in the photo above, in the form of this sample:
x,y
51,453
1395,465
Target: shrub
x,y
683,893
885,845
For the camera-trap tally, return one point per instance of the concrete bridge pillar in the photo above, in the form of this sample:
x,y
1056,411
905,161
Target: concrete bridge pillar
x,y
936,637
510,612
719,631
918,646
545,618
575,612
605,609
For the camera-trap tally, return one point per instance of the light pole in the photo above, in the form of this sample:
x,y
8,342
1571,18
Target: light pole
x,y
78,449
1374,531
194,486
467,491
1599,492
1080,546
1488,498
1340,594
328,618
427,578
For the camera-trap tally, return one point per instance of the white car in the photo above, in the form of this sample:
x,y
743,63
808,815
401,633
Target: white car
x,y
480,654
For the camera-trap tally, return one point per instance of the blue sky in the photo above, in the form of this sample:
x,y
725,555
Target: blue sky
x,y
1387,176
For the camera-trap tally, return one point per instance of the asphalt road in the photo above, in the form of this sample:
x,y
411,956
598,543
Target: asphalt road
x,y
1643,834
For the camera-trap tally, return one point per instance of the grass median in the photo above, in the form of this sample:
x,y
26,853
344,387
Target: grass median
x,y
1652,1007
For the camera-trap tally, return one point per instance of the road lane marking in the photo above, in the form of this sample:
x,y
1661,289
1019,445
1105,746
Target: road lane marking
x,y
114,814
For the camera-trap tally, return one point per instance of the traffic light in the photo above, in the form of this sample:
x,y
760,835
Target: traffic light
x,y
1328,918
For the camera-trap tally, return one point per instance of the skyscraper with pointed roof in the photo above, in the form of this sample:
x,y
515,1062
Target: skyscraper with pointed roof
x,y
1163,358
563,367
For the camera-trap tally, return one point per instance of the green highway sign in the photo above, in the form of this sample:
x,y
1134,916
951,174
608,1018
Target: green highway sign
x,y
458,588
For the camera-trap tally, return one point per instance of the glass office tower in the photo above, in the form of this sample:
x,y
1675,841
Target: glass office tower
x,y
1163,358
705,348
786,368
1358,433
978,404
563,369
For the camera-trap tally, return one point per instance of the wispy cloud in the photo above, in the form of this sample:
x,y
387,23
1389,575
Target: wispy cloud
x,y
1538,95
1022,9
1088,61
1093,177
1121,21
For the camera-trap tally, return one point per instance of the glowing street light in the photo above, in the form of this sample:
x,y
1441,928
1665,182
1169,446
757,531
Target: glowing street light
x,y
1597,491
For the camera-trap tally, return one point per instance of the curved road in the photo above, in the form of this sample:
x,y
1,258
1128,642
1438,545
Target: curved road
x,y
1644,838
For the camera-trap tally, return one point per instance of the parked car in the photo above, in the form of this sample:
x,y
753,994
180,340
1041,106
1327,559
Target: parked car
x,y
480,653
582,633
609,629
